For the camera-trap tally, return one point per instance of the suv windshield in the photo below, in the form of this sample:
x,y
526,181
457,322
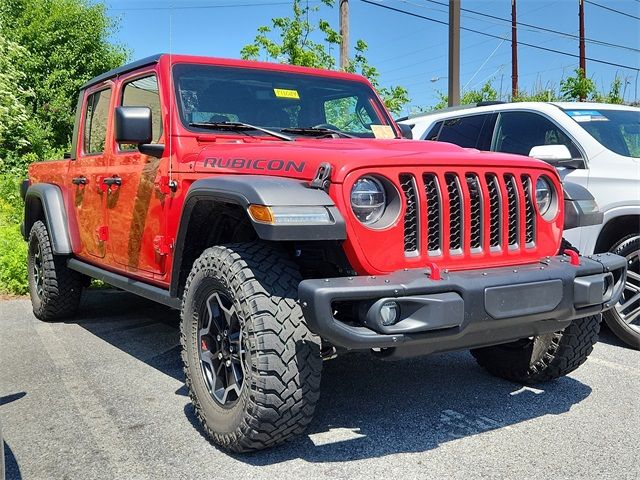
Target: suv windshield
x,y
275,100
617,130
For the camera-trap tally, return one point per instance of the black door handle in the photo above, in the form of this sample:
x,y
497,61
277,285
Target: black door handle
x,y
82,180
110,181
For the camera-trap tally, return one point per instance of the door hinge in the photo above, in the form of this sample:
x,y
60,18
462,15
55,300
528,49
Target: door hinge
x,y
165,185
162,245
103,233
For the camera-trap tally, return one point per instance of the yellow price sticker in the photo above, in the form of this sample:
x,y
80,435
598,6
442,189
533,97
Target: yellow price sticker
x,y
285,93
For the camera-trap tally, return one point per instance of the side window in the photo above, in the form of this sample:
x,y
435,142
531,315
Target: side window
x,y
347,114
519,132
434,132
95,122
143,92
463,131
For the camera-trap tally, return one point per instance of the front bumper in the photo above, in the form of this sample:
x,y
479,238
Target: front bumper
x,y
465,309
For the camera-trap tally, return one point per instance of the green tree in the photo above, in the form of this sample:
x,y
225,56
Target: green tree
x,y
577,87
65,44
485,94
13,111
299,40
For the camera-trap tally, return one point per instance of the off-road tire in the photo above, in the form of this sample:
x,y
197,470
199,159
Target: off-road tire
x,y
59,291
283,364
615,322
543,357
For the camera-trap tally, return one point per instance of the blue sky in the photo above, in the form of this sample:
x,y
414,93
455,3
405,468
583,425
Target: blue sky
x,y
406,50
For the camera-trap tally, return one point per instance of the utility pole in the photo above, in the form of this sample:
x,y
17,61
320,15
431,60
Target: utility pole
x,y
514,51
583,62
344,34
454,52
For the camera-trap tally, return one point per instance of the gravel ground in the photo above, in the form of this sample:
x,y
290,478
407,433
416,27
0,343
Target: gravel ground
x,y
102,396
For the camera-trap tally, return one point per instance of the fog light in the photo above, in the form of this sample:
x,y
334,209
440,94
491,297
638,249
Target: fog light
x,y
389,312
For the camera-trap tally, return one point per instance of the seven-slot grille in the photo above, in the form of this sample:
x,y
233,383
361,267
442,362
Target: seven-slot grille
x,y
498,202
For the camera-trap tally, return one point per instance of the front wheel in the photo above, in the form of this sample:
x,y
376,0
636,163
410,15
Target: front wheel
x,y
543,357
251,365
624,318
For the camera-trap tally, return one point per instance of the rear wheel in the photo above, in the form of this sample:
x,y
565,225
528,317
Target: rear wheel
x,y
624,318
543,357
55,289
251,365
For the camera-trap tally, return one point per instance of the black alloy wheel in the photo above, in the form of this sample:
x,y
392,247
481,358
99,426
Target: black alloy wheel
x,y
221,349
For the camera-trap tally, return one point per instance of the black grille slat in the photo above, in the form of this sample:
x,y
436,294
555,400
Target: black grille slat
x,y
433,210
514,210
475,203
456,212
408,185
530,219
495,211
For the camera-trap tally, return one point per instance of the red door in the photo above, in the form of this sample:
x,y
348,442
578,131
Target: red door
x,y
135,212
87,170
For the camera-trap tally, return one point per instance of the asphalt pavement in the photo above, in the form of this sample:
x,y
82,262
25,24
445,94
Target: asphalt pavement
x,y
102,396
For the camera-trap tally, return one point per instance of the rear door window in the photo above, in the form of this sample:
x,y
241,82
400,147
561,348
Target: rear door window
x,y
519,132
463,131
95,122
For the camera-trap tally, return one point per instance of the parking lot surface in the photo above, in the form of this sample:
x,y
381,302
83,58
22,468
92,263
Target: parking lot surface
x,y
102,396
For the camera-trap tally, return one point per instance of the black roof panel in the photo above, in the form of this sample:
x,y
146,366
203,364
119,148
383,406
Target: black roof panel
x,y
123,69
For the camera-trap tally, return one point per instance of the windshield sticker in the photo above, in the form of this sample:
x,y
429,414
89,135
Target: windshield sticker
x,y
382,131
587,116
286,93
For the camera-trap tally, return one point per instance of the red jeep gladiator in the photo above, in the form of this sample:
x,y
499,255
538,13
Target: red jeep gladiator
x,y
281,211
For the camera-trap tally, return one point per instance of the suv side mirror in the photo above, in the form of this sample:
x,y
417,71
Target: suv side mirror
x,y
133,125
553,154
406,131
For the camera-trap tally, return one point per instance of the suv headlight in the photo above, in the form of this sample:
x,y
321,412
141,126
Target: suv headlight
x,y
544,195
368,200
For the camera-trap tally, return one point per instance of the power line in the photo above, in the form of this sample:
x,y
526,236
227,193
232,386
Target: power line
x,y
560,52
612,10
200,7
543,29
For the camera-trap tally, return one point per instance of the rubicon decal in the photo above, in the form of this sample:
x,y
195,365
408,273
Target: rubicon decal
x,y
275,164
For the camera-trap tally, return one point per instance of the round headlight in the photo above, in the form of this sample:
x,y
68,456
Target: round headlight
x,y
368,200
543,195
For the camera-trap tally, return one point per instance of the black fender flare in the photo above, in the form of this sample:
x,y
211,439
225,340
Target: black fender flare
x,y
245,190
580,207
44,200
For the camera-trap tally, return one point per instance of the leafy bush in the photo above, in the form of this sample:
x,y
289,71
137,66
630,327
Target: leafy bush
x,y
13,249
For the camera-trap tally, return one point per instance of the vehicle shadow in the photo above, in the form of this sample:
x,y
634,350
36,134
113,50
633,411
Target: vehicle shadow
x,y
368,407
11,467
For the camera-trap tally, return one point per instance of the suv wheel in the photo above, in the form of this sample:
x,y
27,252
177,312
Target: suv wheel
x,y
251,365
543,357
55,289
624,318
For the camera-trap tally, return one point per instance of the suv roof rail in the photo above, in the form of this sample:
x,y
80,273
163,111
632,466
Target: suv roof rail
x,y
451,109
489,102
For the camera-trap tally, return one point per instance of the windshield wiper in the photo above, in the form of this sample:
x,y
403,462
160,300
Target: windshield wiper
x,y
317,131
239,126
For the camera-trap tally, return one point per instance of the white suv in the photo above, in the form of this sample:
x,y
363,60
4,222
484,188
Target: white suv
x,y
594,145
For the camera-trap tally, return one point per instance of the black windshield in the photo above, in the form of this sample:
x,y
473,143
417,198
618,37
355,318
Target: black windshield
x,y
275,100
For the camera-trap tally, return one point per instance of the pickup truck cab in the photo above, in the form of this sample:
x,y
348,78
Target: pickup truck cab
x,y
595,145
279,209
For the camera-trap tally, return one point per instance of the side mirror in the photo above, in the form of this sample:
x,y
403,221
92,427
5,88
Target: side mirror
x,y
133,125
553,154
406,131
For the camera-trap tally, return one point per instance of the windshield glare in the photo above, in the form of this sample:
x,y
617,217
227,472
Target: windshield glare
x,y
617,130
274,100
